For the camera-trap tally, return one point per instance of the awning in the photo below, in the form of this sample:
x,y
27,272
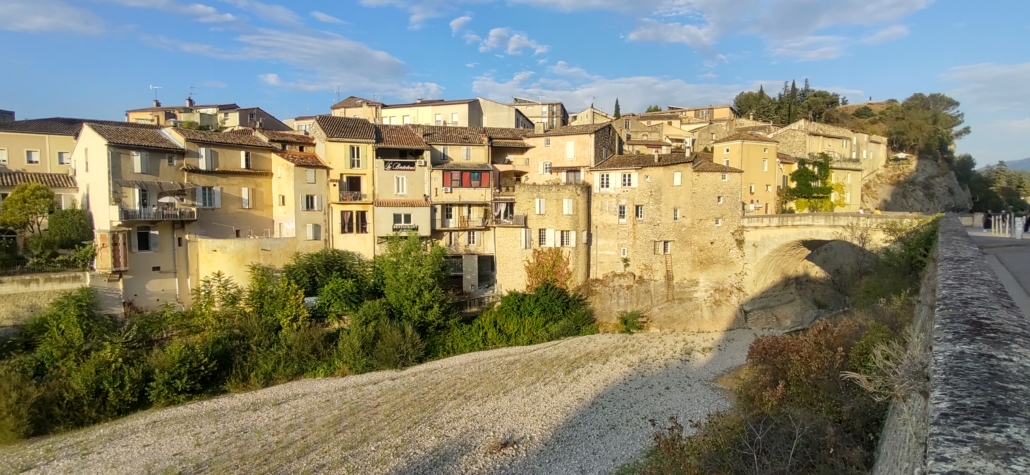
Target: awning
x,y
159,186
481,167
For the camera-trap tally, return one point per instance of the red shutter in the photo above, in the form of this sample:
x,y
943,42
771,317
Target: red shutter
x,y
486,180
446,178
466,179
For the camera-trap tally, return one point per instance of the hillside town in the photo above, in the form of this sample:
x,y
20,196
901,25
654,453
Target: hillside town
x,y
178,193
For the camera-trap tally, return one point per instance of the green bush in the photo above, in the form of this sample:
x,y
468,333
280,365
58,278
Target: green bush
x,y
629,322
397,346
70,227
860,357
108,384
339,298
181,372
315,270
68,331
41,246
18,392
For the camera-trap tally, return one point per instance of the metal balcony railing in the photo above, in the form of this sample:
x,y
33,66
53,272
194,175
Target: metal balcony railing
x,y
518,221
178,214
462,222
405,227
353,196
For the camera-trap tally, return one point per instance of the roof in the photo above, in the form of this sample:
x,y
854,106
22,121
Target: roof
x,y
353,101
136,137
346,128
441,135
573,130
401,203
643,160
659,116
653,143
302,159
226,106
703,164
430,102
237,140
286,137
226,171
51,180
399,136
463,166
717,106
506,132
61,125
510,143
785,158
746,136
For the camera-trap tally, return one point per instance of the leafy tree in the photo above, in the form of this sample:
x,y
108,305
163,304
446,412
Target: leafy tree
x,y
654,108
548,266
314,270
756,104
413,282
964,168
27,207
817,103
864,112
926,125
618,112
70,227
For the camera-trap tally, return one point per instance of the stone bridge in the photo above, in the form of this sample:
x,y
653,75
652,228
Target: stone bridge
x,y
776,246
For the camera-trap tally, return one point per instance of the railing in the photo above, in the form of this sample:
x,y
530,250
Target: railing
x,y
157,214
504,191
478,304
462,222
353,196
41,269
518,221
405,227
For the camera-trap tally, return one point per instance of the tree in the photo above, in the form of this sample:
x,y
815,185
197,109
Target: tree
x,y
926,125
618,112
27,207
813,185
413,282
817,103
654,108
864,112
70,227
757,105
548,266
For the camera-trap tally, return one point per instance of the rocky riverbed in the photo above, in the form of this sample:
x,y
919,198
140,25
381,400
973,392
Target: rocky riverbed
x,y
577,406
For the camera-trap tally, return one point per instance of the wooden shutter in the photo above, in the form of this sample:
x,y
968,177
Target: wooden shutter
x,y
137,162
677,178
205,159
154,241
466,179
318,202
303,202
566,206
570,149
525,239
243,159
245,195
485,180
550,237
446,179
572,238
218,196
310,228
134,240
633,180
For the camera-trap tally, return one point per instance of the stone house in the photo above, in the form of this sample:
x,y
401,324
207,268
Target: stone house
x,y
358,108
756,156
551,115
564,155
347,146
590,115
454,113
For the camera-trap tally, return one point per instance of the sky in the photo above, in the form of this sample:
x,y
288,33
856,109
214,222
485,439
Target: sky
x,y
97,58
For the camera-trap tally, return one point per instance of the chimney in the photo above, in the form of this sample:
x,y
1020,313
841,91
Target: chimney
x,y
538,127
157,103
655,157
418,101
189,102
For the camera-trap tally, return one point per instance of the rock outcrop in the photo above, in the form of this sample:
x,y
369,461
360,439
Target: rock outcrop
x,y
924,186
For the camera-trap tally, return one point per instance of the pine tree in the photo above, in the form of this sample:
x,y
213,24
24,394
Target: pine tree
x,y
618,113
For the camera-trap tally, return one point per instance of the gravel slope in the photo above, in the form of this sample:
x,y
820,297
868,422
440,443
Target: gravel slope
x,y
574,406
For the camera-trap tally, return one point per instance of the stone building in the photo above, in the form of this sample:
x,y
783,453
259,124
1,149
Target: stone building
x,y
756,155
590,115
563,155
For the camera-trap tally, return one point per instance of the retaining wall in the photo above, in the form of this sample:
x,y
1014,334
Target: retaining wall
x,y
22,296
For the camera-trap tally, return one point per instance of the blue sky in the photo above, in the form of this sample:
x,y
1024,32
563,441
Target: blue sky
x,y
97,58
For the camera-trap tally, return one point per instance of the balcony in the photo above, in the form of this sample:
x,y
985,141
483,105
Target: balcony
x,y
516,221
349,196
462,222
403,228
177,214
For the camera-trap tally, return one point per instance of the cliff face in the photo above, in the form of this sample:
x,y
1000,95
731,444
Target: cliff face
x,y
924,186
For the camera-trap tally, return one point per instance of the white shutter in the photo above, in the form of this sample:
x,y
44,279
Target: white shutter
x,y
311,231
134,239
550,238
541,206
525,239
572,238
541,168
584,237
633,180
154,241
566,206
303,202
144,160
196,196
135,198
677,178
243,159
204,158
218,196
570,150
318,202
245,195
137,163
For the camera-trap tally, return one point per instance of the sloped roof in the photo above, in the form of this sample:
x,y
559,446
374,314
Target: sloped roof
x,y
346,128
785,158
510,143
573,130
506,132
651,143
302,159
286,137
353,101
430,102
433,134
136,137
659,116
50,180
703,163
221,107
399,136
643,160
219,138
61,125
746,136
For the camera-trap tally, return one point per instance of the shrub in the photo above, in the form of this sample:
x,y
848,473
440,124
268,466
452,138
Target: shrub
x,y
548,265
291,355
70,227
315,270
181,371
339,297
270,294
68,331
629,322
108,384
41,246
413,283
17,394
397,346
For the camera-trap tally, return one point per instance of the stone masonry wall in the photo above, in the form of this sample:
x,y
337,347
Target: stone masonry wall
x,y
26,295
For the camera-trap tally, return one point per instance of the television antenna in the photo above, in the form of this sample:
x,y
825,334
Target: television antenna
x,y
337,92
154,88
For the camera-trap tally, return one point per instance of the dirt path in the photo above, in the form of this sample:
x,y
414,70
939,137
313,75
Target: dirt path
x,y
579,405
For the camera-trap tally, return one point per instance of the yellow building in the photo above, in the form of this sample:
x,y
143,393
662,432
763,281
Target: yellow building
x,y
40,145
401,183
710,113
358,108
590,115
454,113
158,114
563,155
347,146
551,115
756,155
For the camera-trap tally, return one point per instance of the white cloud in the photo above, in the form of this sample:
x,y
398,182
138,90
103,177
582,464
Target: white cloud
x,y
471,65
698,37
991,86
37,16
267,12
708,75
324,18
458,23
562,68
886,35
202,13
503,39
472,38
810,48
271,79
793,18
421,90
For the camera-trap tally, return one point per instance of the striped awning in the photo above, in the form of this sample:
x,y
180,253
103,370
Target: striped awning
x,y
158,186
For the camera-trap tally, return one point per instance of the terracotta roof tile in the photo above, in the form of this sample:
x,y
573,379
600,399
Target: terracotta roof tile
x,y
643,160
136,137
441,135
748,136
506,133
463,166
353,101
61,125
785,158
573,130
704,163
399,136
401,203
652,143
52,180
659,116
204,136
226,171
346,128
286,137
510,143
302,159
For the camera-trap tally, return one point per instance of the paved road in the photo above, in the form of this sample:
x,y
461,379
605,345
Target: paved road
x,y
1010,260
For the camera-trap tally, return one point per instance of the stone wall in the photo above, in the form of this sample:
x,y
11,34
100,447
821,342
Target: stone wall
x,y
26,295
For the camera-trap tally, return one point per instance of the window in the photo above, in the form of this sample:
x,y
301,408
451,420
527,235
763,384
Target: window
x,y
627,180
726,150
140,160
718,199
282,200
314,231
626,124
311,202
751,188
245,160
406,119
170,160
146,239
768,187
471,236
765,150
639,211
355,156
718,221
250,117
454,117
205,158
622,213
245,198
848,178
570,150
400,185
666,247
346,222
604,181
309,175
65,158
725,177
547,142
629,136
545,168
844,143
445,154
675,214
847,197
624,252
726,162
439,119
466,153
566,206
765,165
209,197
402,218
566,239
863,154
32,157
542,237
3,155
540,205
475,179
361,222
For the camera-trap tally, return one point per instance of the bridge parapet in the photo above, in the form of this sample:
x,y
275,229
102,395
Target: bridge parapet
x,y
823,219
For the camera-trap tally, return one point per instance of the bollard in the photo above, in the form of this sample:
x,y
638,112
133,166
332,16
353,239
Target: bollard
x,y
1017,227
